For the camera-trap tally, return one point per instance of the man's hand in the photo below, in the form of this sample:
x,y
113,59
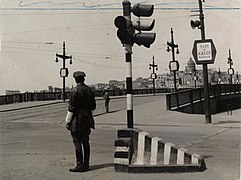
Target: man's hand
x,y
68,126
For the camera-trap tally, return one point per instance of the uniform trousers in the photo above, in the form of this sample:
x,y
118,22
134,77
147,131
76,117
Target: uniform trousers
x,y
81,142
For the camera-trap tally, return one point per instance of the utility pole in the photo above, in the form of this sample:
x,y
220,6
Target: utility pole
x,y
63,71
230,69
195,78
204,53
174,65
205,70
153,75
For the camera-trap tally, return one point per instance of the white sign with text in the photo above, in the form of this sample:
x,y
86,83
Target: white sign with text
x,y
204,51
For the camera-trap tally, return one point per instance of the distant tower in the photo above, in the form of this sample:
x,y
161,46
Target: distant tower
x,y
190,66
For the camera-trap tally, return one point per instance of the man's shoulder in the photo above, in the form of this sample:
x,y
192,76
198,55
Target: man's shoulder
x,y
83,87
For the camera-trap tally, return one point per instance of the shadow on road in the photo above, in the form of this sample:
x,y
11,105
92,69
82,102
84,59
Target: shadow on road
x,y
101,166
225,122
207,156
108,112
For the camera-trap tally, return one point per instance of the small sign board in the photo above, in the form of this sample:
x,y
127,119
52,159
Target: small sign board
x,y
64,72
153,75
230,71
174,65
204,51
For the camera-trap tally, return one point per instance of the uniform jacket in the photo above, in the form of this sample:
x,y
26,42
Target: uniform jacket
x,y
81,103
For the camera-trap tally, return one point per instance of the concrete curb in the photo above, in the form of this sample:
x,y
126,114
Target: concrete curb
x,y
137,151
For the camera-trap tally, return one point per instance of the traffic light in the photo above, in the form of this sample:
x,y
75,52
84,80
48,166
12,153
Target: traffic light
x,y
126,27
124,32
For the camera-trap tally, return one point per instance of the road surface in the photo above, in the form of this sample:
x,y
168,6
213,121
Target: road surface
x,y
36,145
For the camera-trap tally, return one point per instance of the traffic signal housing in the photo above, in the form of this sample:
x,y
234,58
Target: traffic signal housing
x,y
124,32
126,27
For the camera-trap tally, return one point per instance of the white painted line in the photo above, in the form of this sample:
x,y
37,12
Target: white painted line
x,y
121,149
121,161
141,147
181,155
167,152
154,150
195,158
128,69
129,101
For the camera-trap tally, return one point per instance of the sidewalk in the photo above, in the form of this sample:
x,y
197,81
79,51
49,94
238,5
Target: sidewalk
x,y
24,105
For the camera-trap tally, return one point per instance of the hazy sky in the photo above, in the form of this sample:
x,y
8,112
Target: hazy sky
x,y
33,31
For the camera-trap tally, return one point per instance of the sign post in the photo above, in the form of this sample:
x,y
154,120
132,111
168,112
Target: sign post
x,y
204,52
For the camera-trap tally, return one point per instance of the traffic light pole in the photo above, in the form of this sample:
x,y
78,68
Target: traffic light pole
x,y
153,66
64,57
205,70
128,56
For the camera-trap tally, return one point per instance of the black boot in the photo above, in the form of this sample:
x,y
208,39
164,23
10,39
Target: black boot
x,y
77,168
79,162
85,167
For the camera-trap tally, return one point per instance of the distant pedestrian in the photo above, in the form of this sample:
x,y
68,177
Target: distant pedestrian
x,y
79,121
107,100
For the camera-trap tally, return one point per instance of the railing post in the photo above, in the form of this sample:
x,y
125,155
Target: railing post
x,y
191,100
31,97
168,103
200,98
20,98
177,99
6,99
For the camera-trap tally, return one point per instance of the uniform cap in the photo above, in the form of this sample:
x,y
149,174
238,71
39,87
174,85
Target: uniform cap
x,y
78,74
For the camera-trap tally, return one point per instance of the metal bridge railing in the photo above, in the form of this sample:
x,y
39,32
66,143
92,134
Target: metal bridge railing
x,y
189,97
43,96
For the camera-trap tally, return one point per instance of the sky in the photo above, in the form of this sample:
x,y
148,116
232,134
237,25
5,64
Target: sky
x,y
33,31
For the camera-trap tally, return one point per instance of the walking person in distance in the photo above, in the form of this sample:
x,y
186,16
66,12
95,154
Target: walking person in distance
x,y
107,100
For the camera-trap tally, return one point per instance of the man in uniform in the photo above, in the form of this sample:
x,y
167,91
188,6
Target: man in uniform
x,y
79,121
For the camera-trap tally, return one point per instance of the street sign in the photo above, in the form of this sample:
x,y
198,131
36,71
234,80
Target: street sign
x,y
64,72
153,75
230,71
204,51
174,65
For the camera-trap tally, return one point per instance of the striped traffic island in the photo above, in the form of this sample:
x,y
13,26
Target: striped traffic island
x,y
137,151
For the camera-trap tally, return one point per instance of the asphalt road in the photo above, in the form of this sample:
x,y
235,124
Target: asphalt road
x,y
36,145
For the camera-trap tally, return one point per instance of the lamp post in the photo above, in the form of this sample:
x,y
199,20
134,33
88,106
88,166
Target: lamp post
x,y
195,78
205,49
237,77
219,76
153,74
173,65
230,69
63,71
